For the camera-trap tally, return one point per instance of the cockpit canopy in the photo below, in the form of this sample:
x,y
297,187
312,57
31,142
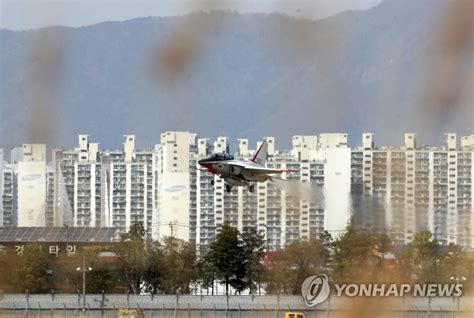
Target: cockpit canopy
x,y
221,156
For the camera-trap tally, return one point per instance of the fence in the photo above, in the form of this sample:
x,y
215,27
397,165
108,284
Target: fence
x,y
63,305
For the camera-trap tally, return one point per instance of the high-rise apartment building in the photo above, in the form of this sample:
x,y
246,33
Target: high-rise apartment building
x,y
32,186
336,155
174,185
129,186
396,190
111,188
8,193
49,204
406,189
282,210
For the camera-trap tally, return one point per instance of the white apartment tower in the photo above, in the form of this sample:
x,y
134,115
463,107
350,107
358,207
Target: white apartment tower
x,y
336,155
9,196
282,211
396,190
49,200
87,185
113,188
407,189
202,216
77,185
32,186
173,186
129,186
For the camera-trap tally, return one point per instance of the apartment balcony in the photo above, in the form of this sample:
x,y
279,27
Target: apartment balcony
x,y
85,205
139,168
421,204
84,179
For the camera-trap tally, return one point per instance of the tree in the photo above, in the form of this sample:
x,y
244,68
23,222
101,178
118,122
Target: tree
x,y
68,280
327,243
354,255
384,244
253,253
292,265
206,272
225,255
101,277
455,264
422,259
132,256
8,263
152,274
31,272
172,267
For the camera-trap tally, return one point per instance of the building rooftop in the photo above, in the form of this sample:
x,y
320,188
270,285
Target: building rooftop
x,y
57,234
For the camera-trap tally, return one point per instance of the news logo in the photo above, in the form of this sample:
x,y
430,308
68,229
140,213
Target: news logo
x,y
315,289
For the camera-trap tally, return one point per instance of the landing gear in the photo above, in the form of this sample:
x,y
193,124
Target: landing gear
x,y
251,188
212,182
228,187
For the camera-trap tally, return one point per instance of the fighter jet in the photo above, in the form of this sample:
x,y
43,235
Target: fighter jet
x,y
241,172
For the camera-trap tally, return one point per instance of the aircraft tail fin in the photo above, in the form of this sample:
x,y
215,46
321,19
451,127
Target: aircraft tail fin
x,y
261,155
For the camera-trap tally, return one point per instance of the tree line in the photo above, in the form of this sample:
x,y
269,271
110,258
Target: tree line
x,y
238,261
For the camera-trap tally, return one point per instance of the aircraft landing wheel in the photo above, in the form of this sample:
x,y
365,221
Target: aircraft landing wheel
x,y
212,182
228,187
251,188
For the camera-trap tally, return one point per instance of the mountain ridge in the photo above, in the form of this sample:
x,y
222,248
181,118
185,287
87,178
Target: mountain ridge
x,y
248,76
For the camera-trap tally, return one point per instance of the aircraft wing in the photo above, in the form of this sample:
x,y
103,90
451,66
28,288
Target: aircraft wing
x,y
263,170
258,169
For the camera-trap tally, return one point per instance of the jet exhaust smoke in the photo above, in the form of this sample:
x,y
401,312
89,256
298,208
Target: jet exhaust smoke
x,y
302,191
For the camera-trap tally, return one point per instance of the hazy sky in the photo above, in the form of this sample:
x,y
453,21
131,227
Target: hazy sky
x,y
30,14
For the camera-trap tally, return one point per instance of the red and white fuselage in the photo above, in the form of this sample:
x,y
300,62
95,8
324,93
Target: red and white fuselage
x,y
241,172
